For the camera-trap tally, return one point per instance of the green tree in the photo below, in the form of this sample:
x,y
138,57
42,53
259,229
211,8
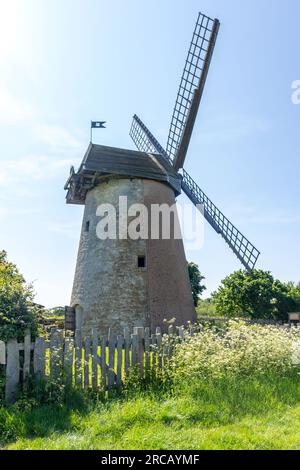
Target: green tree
x,y
294,291
196,278
55,312
17,311
206,308
253,294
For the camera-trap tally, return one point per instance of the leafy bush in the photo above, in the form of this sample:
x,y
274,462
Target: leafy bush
x,y
294,292
254,294
17,311
238,350
10,425
195,279
206,308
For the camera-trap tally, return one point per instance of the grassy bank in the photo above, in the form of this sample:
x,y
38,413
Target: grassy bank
x,y
235,387
252,413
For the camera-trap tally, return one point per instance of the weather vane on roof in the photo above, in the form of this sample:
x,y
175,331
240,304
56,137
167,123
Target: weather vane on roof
x,y
97,125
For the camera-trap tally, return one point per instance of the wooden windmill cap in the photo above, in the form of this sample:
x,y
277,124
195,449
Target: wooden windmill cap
x,y
101,162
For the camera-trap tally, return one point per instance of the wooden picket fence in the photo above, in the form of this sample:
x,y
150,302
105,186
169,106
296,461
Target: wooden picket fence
x,y
97,362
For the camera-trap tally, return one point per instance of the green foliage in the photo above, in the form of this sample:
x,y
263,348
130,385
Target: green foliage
x,y
235,387
196,278
50,391
294,292
236,349
239,413
206,308
17,311
253,294
54,312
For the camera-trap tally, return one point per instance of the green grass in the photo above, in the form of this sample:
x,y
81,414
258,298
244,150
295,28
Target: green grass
x,y
253,413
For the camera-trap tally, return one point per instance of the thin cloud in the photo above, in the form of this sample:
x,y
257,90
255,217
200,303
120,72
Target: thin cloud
x,y
58,138
33,168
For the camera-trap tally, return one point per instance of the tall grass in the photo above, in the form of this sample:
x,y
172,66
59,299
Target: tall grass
x,y
232,388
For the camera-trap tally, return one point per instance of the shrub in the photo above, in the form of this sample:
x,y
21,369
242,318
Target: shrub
x,y
254,294
17,311
195,279
238,350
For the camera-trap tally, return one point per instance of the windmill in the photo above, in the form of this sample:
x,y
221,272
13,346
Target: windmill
x,y
142,282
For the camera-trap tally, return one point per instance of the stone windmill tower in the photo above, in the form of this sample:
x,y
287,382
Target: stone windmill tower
x,y
124,282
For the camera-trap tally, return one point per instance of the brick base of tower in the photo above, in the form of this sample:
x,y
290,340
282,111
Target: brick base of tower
x,y
110,289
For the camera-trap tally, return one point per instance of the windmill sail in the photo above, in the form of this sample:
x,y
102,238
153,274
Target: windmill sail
x,y
144,139
240,245
191,88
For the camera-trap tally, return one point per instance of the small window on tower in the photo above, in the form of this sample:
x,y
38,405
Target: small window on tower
x,y
141,261
87,226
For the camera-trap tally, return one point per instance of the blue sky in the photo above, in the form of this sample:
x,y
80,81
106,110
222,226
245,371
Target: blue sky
x,y
65,62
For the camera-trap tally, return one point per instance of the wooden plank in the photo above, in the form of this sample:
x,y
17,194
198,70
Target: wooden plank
x,y
95,347
2,353
103,363
170,330
139,330
56,352
87,348
120,342
165,354
140,350
27,353
60,351
159,349
147,350
39,357
111,359
78,358
127,348
154,354
134,349
181,333
68,359
12,371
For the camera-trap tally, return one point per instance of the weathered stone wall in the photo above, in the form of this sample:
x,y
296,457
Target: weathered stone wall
x,y
168,280
109,288
108,285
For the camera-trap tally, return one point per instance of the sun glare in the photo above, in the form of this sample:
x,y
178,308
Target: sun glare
x,y
11,14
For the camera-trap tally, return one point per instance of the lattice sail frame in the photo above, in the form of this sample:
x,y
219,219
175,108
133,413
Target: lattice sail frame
x,y
239,244
191,88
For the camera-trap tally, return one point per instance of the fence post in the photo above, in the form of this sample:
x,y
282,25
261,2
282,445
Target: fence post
x,y
140,332
147,349
95,359
112,340
2,353
127,348
39,357
159,346
78,358
134,350
27,354
120,342
12,371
